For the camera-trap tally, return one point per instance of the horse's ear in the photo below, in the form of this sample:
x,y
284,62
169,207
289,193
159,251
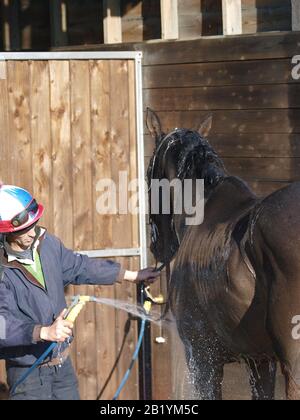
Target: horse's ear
x,y
153,124
205,127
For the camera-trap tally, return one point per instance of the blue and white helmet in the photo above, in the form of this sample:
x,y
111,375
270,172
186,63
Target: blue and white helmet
x,y
18,209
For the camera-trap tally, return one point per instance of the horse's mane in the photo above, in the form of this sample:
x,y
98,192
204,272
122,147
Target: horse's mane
x,y
190,157
205,249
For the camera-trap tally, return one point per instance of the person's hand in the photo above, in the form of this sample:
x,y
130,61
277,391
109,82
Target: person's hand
x,y
148,275
59,331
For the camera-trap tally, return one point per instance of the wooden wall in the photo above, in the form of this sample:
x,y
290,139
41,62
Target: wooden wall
x,y
65,125
30,20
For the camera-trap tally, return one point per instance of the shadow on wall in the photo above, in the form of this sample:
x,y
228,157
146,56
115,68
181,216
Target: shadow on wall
x,y
273,16
150,15
212,21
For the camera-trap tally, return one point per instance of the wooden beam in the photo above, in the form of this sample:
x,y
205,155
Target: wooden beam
x,y
169,19
112,21
295,15
232,17
59,25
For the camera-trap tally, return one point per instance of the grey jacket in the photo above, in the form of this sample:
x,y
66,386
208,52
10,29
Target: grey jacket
x,y
25,306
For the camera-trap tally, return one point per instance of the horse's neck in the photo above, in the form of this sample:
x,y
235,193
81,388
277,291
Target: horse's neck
x,y
210,242
230,199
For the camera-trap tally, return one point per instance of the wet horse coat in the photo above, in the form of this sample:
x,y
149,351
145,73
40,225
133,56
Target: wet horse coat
x,y
235,284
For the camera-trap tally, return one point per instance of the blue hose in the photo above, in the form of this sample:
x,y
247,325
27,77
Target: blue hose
x,y
134,357
31,369
53,346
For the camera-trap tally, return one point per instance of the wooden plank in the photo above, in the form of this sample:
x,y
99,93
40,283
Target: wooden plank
x,y
234,73
101,148
257,145
246,47
58,21
169,19
81,155
247,144
232,17
112,21
82,213
295,15
5,140
120,149
102,224
41,138
210,49
227,97
270,169
233,122
20,127
61,151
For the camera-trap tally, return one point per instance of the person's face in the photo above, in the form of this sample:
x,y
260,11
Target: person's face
x,y
23,239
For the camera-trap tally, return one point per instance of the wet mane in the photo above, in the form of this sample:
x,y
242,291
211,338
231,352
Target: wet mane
x,y
193,152
205,249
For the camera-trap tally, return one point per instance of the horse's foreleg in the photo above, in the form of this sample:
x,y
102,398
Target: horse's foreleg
x,y
262,379
205,375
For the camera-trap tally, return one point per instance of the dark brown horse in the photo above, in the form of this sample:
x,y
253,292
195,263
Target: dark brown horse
x,y
235,283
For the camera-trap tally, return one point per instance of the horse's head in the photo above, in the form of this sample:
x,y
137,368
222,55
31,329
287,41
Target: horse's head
x,y
181,154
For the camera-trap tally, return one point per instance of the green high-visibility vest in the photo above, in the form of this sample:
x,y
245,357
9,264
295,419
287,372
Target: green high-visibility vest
x,y
36,269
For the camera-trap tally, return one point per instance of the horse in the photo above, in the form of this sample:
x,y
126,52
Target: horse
x,y
234,289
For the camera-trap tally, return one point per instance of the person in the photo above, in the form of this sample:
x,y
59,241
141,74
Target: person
x,y
35,269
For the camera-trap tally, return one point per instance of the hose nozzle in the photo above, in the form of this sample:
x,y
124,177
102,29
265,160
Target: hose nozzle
x,y
78,303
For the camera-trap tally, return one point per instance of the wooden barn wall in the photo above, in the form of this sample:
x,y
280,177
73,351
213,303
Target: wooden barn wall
x,y
65,125
141,20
